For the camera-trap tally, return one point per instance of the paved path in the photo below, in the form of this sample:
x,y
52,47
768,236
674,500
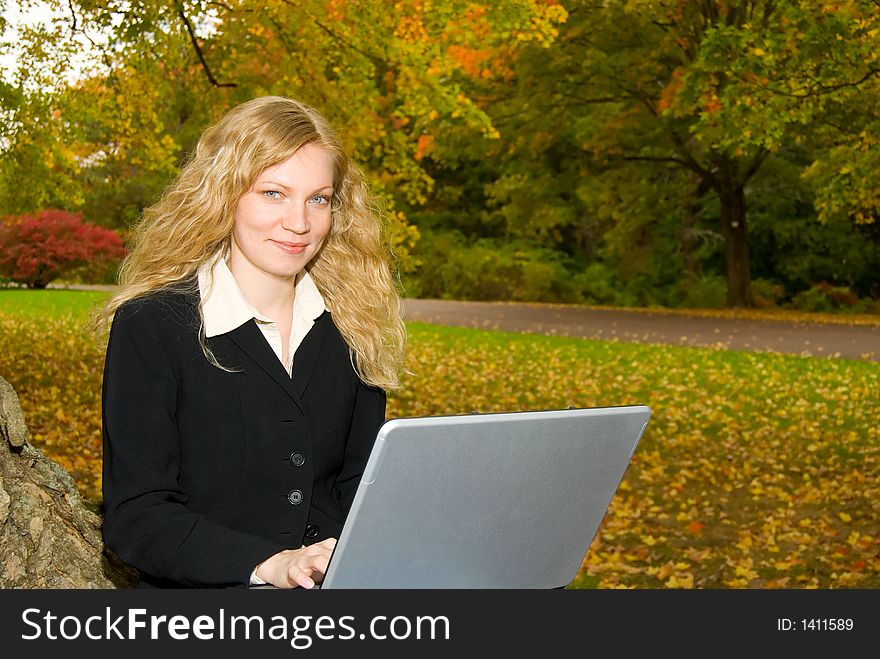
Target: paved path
x,y
798,338
808,339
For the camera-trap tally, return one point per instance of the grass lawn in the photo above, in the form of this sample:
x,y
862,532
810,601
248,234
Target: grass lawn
x,y
43,303
757,470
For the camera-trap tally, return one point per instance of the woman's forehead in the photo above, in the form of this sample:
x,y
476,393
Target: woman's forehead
x,y
310,166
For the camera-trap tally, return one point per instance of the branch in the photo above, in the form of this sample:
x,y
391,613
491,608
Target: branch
x,y
663,26
833,88
345,42
818,89
688,163
692,163
673,159
577,102
374,58
281,36
755,166
197,48
74,30
580,100
72,16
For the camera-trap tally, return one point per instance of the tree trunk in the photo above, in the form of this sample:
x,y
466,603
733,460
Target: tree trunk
x,y
736,246
49,538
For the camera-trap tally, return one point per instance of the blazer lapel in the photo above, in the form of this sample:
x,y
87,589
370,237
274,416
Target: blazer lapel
x,y
251,341
306,357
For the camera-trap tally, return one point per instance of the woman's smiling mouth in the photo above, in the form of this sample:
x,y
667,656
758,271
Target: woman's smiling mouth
x,y
290,248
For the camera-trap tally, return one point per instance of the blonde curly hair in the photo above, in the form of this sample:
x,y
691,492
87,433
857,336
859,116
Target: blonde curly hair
x,y
194,219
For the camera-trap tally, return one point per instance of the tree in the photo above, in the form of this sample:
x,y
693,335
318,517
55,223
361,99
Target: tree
x,y
384,72
35,249
49,536
711,88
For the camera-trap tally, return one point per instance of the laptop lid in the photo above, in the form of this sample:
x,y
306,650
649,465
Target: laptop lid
x,y
508,500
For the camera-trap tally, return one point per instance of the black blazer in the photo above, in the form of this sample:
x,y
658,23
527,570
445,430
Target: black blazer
x,y
208,472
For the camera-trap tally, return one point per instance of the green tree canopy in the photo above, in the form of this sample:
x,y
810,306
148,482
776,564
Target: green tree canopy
x,y
708,89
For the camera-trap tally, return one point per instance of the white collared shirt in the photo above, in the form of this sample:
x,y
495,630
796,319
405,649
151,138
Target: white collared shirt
x,y
224,308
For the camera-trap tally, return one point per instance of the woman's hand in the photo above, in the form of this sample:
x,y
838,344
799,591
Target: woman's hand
x,y
297,567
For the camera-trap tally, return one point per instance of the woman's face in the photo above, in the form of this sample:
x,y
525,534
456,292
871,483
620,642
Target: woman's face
x,y
281,222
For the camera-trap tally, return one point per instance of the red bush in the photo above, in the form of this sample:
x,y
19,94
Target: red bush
x,y
37,248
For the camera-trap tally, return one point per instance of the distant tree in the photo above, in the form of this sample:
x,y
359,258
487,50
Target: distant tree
x,y
704,92
37,248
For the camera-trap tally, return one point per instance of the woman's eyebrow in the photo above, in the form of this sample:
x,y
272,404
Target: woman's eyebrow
x,y
290,187
273,183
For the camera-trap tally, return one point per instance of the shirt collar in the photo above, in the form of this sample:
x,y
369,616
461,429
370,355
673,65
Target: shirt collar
x,y
225,308
308,303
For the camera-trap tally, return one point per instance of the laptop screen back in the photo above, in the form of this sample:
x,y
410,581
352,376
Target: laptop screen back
x,y
508,500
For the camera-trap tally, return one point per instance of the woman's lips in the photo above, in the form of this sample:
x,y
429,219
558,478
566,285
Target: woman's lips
x,y
291,248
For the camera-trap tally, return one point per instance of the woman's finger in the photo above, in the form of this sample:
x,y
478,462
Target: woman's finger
x,y
300,577
321,563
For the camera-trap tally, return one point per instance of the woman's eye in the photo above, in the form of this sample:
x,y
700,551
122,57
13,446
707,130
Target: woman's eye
x,y
272,194
321,199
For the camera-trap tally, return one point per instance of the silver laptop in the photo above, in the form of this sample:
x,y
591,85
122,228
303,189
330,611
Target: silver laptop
x,y
508,500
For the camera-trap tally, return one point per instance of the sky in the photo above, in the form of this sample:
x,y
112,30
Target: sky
x,y
15,17
39,13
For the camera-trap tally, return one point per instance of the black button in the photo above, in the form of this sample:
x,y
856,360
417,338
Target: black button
x,y
297,459
295,497
312,531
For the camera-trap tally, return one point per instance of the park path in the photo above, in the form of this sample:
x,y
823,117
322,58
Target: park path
x,y
798,338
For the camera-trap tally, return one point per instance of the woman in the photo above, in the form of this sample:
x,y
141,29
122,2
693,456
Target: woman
x,y
254,336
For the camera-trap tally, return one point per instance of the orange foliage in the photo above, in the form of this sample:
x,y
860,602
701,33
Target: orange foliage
x,y
713,105
336,10
410,28
426,142
668,94
471,60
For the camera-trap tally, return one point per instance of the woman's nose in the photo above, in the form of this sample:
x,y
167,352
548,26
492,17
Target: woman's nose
x,y
296,219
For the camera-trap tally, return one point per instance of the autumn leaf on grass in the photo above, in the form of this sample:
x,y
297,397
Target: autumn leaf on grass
x,y
681,580
744,569
695,527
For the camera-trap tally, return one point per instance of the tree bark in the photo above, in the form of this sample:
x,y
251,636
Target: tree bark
x,y
49,536
736,246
